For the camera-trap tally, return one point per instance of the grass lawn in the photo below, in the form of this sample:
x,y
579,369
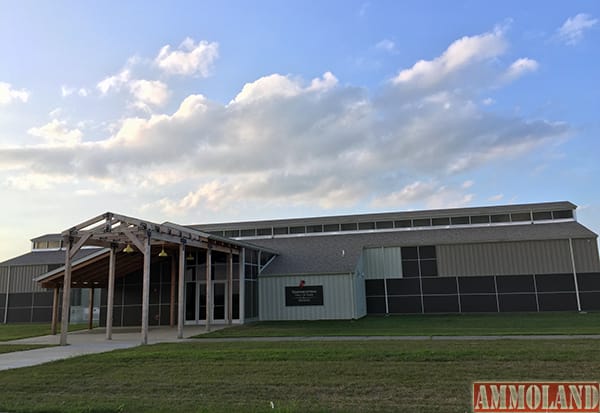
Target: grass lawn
x,y
10,348
25,330
415,376
424,325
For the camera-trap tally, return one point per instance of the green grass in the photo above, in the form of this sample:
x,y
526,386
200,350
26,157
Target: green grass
x,y
424,325
11,348
415,376
26,330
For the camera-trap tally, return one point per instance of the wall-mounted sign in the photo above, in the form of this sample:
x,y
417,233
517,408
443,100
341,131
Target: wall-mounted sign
x,y
304,295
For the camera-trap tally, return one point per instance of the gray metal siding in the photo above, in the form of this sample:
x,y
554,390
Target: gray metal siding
x,y
383,262
21,278
505,258
585,252
337,297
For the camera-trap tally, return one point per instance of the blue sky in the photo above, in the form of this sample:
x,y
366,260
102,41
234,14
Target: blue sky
x,y
215,111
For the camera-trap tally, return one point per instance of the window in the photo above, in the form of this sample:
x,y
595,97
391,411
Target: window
x,y
403,223
331,227
263,231
248,232
422,222
297,230
500,218
349,227
480,219
541,216
563,214
460,220
280,231
366,225
520,217
232,233
440,221
419,261
384,224
314,228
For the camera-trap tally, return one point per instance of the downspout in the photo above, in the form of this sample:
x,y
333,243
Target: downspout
x,y
7,292
574,274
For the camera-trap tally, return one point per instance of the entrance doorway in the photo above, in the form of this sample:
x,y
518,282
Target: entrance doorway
x,y
195,302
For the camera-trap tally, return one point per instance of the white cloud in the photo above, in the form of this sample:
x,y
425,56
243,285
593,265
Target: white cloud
x,y
386,45
520,67
9,94
149,92
114,82
461,54
189,58
488,101
283,140
571,32
496,198
57,133
83,92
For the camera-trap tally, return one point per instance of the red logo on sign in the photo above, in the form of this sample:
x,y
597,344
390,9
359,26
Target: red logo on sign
x,y
533,397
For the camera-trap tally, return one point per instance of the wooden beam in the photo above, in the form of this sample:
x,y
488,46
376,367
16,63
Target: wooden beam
x,y
180,298
229,288
173,288
66,304
91,309
110,302
55,297
146,290
79,244
209,309
134,240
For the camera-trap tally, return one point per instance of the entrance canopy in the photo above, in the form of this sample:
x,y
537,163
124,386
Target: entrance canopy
x,y
120,235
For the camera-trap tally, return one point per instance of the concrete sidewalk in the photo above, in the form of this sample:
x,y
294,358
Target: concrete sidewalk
x,y
90,342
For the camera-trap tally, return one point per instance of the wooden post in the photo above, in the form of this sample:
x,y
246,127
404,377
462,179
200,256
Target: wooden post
x,y
55,297
173,287
146,291
66,302
91,309
209,308
110,302
242,285
229,288
180,298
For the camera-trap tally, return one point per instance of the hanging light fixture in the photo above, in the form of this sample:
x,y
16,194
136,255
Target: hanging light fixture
x,y
128,249
190,257
163,253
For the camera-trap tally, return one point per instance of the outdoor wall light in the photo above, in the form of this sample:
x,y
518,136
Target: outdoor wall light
x,y
128,249
190,257
163,253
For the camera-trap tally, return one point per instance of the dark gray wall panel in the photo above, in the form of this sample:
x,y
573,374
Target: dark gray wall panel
x,y
43,299
20,300
403,286
478,303
375,305
440,304
374,287
474,285
590,301
517,302
555,283
515,284
404,305
42,315
589,282
558,302
446,285
19,315
132,315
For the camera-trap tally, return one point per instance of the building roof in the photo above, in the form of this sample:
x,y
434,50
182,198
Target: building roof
x,y
46,257
340,253
433,213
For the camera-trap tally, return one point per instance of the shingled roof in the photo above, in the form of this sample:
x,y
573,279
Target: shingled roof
x,y
340,253
49,257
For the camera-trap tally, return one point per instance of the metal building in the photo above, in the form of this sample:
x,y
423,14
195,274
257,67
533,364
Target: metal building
x,y
529,257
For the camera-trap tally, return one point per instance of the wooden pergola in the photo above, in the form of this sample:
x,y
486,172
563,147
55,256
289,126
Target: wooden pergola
x,y
120,234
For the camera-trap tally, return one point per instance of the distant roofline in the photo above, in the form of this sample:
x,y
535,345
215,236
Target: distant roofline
x,y
432,213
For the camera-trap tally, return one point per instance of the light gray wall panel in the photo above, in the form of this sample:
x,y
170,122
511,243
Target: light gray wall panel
x,y
338,293
382,262
373,262
586,255
392,257
505,258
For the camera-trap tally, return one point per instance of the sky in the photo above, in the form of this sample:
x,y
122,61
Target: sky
x,y
215,111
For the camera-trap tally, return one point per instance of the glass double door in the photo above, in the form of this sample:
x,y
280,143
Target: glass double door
x,y
195,302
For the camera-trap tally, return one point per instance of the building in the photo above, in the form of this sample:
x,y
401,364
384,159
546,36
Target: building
x,y
509,258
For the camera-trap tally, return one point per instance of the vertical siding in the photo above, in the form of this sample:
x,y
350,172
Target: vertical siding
x,y
382,262
21,278
337,297
507,258
585,252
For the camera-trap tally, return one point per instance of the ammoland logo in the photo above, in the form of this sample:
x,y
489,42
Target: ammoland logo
x,y
533,397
